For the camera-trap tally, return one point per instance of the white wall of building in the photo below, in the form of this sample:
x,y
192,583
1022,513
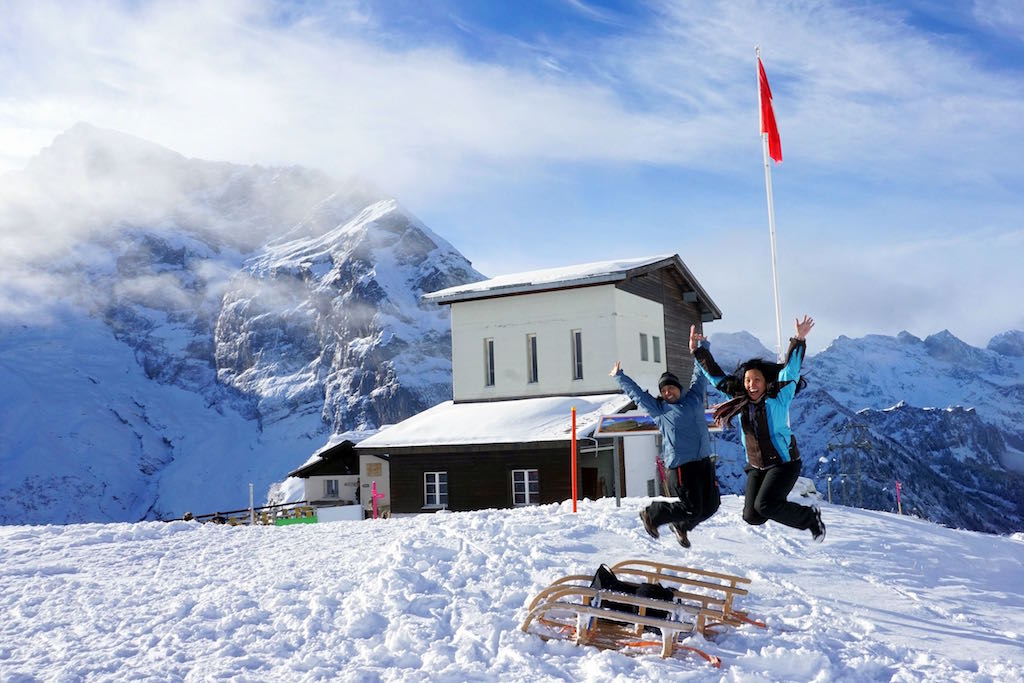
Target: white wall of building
x,y
609,320
634,315
347,487
640,464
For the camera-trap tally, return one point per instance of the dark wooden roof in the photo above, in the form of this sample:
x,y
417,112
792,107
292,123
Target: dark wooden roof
x,y
339,459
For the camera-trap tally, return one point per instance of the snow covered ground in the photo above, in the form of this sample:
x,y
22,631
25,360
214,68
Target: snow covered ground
x,y
441,598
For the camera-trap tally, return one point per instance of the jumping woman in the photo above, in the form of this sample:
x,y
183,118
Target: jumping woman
x,y
762,391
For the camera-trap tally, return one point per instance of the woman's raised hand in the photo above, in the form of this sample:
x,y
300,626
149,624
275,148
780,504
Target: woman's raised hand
x,y
695,338
803,327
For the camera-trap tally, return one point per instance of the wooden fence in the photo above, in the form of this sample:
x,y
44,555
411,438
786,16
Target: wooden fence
x,y
268,514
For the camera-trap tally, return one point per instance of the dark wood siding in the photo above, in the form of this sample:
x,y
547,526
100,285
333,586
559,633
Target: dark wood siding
x,y
649,286
479,479
668,289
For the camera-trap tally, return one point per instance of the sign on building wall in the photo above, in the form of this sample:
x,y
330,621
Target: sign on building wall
x,y
626,424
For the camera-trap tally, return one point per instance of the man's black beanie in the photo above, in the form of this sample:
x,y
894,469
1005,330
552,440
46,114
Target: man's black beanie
x,y
667,379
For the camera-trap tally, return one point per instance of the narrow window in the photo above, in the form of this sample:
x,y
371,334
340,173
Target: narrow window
x,y
643,346
525,487
577,354
531,358
330,488
656,344
489,362
435,489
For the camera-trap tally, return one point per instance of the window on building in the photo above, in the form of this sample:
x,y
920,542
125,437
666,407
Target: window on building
x,y
531,358
643,346
374,469
435,489
525,487
330,488
489,362
656,347
577,354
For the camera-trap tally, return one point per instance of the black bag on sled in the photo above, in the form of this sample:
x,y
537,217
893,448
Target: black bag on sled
x,y
605,579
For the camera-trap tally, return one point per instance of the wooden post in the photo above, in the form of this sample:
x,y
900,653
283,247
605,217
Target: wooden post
x,y
574,458
620,448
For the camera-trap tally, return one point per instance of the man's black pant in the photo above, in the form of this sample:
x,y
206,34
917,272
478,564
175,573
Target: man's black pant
x,y
766,496
695,485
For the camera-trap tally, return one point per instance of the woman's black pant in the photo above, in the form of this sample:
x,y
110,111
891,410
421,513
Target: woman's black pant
x,y
766,496
696,487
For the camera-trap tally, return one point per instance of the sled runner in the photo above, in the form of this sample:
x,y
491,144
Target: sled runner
x,y
610,612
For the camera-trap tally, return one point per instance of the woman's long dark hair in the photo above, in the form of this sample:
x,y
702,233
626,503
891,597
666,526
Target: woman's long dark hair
x,y
771,372
733,385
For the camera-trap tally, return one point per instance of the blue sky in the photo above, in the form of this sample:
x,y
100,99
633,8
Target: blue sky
x,y
547,133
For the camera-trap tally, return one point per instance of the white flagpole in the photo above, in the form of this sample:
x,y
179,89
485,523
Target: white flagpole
x,y
771,217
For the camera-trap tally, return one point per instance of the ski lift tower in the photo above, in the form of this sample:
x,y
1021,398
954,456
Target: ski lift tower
x,y
853,438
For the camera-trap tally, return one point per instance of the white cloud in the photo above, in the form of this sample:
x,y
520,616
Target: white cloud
x,y
865,101
161,291
1003,16
223,80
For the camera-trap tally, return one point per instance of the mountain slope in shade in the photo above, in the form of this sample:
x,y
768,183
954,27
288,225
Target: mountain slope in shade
x,y
180,328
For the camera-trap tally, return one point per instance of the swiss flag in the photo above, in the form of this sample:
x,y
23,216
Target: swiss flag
x,y
768,115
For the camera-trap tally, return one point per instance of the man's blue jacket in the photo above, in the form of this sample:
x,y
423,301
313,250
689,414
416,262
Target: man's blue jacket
x,y
684,430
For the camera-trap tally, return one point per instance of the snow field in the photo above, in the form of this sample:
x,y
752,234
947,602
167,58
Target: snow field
x,y
441,598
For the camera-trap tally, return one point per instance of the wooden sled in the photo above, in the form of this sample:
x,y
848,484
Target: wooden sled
x,y
569,609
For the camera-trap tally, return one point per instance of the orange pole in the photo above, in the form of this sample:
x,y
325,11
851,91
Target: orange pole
x,y
574,458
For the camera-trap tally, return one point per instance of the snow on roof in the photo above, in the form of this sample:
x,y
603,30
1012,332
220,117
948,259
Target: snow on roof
x,y
355,436
518,421
587,273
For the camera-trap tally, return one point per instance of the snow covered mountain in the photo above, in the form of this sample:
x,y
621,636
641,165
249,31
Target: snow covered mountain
x,y
177,328
942,418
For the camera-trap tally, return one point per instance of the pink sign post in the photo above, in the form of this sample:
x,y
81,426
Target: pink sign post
x,y
374,495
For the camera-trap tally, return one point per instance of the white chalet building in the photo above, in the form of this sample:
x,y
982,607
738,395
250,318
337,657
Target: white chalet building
x,y
526,349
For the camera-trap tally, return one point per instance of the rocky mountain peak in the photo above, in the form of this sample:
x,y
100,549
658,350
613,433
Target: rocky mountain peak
x,y
1009,343
905,337
98,153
